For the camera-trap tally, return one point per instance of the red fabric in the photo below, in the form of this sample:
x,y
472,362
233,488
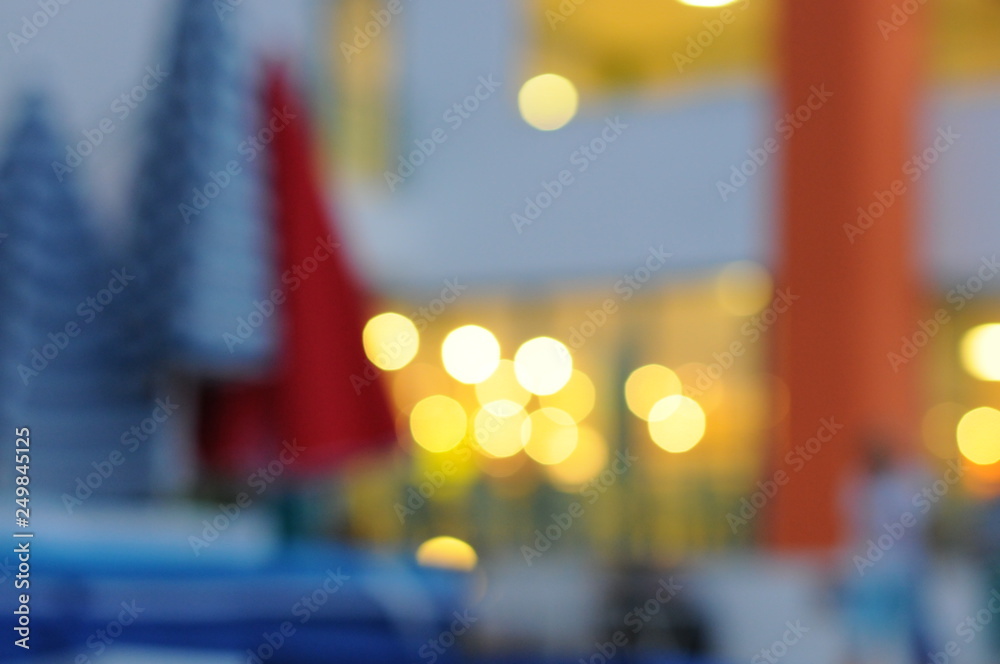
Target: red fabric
x,y
324,392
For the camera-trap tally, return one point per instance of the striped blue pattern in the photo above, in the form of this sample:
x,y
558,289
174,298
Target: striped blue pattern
x,y
201,241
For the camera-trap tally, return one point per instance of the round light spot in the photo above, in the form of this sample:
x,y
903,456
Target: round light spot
x,y
743,288
979,436
448,553
583,464
548,101
390,340
980,351
501,428
502,385
470,354
438,423
552,436
647,385
676,423
543,365
576,398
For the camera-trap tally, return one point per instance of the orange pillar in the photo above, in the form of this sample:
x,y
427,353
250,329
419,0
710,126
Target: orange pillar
x,y
855,280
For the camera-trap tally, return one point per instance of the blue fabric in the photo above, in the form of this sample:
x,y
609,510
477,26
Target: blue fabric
x,y
66,369
232,608
201,240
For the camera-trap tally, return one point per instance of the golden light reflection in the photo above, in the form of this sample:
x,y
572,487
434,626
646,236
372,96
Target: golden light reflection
x,y
543,365
647,385
583,464
980,351
438,423
470,354
501,428
979,436
552,436
676,423
448,553
391,341
548,102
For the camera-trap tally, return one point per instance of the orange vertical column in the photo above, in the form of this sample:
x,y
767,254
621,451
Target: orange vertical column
x,y
848,88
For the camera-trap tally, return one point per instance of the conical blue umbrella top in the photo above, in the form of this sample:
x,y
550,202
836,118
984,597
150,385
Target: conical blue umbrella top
x,y
66,373
201,244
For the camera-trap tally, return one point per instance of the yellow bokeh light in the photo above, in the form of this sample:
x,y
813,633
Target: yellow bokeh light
x,y
583,464
980,351
448,553
676,423
647,385
438,423
501,428
577,397
390,340
502,385
979,436
543,365
706,3
552,436
743,288
548,101
470,354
